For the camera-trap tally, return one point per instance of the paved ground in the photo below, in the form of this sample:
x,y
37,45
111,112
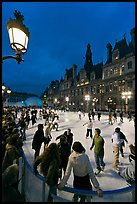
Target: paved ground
x,y
109,179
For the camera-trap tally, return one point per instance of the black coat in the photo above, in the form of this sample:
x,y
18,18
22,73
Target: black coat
x,y
38,139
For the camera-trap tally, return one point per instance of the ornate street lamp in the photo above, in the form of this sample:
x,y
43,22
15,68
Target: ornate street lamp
x,y
95,100
5,93
109,103
3,88
87,98
67,100
126,96
8,91
18,35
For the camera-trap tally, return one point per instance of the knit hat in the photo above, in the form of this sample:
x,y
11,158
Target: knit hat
x,y
117,130
77,147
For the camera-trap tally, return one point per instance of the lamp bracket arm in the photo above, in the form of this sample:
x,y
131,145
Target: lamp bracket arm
x,y
17,57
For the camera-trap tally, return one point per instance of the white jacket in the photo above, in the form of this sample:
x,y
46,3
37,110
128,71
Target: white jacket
x,y
81,166
116,139
89,125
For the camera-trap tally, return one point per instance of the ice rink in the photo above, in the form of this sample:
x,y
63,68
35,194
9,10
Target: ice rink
x,y
109,178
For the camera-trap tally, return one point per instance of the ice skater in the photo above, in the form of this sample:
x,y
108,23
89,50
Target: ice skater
x,y
89,125
98,144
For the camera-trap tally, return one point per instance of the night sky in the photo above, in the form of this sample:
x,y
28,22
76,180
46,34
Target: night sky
x,y
59,34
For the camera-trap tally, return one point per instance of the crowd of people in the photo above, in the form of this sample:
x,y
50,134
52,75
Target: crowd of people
x,y
58,158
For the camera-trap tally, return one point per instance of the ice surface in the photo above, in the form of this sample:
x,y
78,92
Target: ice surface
x,y
109,178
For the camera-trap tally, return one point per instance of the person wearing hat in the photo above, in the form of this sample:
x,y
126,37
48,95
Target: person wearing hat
x,y
82,170
116,145
98,144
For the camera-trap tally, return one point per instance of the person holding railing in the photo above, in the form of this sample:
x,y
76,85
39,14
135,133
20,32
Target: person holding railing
x,y
49,166
128,173
10,180
83,172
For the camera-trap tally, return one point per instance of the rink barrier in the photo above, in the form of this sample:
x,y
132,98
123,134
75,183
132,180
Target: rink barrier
x,y
130,188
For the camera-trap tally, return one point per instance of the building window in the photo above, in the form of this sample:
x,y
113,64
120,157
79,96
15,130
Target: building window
x,y
110,86
115,87
130,84
106,73
130,65
81,91
122,69
115,71
94,90
106,88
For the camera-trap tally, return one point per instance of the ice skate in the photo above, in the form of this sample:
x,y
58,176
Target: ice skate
x,y
97,171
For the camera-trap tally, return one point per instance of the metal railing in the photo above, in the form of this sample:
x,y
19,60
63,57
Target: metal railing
x,y
35,189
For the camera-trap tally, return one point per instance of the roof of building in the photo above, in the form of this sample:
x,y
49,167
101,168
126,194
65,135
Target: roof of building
x,y
122,47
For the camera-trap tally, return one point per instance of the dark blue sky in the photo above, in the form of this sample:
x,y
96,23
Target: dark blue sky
x,y
59,34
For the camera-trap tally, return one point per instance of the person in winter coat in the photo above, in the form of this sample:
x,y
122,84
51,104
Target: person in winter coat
x,y
38,139
89,125
110,118
132,152
82,170
10,192
33,119
98,144
11,153
22,125
129,175
64,151
99,115
123,139
27,118
116,145
49,163
69,136
48,136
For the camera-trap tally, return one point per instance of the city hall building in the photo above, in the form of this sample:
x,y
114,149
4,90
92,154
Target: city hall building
x,y
104,87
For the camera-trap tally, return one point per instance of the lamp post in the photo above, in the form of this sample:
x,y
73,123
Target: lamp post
x,y
109,103
55,103
18,35
5,93
95,100
87,99
67,100
126,96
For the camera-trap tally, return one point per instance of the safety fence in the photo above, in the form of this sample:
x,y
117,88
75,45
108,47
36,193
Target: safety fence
x,y
35,189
